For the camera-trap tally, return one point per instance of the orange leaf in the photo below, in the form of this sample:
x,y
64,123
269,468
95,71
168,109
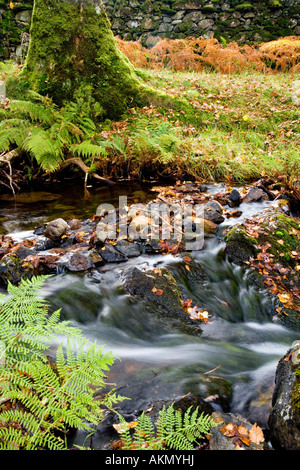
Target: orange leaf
x,y
256,435
229,430
159,291
283,298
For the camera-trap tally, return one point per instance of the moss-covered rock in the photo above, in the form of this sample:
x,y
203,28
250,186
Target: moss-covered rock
x,y
240,246
271,246
161,297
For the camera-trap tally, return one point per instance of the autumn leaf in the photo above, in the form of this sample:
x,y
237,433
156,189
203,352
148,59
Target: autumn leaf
x,y
229,430
256,435
283,298
157,291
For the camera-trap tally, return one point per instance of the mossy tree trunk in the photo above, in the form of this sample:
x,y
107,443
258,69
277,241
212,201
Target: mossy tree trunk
x,y
73,53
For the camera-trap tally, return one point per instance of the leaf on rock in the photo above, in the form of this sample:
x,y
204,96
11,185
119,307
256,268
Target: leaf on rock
x,y
256,435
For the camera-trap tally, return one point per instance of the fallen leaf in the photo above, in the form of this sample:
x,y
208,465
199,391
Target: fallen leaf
x,y
283,298
229,430
256,435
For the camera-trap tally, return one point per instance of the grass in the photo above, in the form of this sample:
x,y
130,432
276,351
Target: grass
x,y
245,126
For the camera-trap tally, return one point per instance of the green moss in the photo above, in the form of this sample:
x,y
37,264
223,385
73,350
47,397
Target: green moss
x,y
73,52
72,49
282,233
245,7
295,397
240,247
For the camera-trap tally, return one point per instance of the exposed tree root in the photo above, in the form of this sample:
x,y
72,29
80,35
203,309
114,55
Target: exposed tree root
x,y
77,161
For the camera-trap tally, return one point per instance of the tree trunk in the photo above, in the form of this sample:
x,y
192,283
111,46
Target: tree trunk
x,y
73,54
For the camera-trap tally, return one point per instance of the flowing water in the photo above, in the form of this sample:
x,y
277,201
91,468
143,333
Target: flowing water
x,y
241,344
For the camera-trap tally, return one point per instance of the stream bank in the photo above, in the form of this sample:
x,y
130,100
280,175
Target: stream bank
x,y
196,323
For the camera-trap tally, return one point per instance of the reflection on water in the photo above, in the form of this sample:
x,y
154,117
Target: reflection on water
x,y
38,207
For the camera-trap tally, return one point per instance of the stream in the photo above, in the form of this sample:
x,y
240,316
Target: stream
x,y
241,344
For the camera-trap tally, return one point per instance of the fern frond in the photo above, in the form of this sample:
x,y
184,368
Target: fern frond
x,y
48,152
173,430
36,112
50,396
87,150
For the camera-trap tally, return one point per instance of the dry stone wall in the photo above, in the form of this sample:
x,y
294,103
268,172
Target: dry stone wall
x,y
146,20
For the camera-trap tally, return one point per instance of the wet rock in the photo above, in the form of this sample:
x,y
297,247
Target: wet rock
x,y
55,229
79,262
128,249
22,251
284,421
139,226
240,247
151,247
214,205
74,224
96,259
255,195
158,289
5,244
219,441
213,212
110,254
11,269
234,198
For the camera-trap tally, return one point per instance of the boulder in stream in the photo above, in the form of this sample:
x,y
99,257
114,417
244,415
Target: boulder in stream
x,y
284,420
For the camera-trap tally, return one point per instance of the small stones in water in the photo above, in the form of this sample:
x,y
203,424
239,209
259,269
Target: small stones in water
x,y
55,229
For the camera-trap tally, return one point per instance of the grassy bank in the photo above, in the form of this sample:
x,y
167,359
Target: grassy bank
x,y
235,128
244,126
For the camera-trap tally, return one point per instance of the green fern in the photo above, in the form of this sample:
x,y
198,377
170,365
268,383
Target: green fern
x,y
42,397
50,134
174,430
